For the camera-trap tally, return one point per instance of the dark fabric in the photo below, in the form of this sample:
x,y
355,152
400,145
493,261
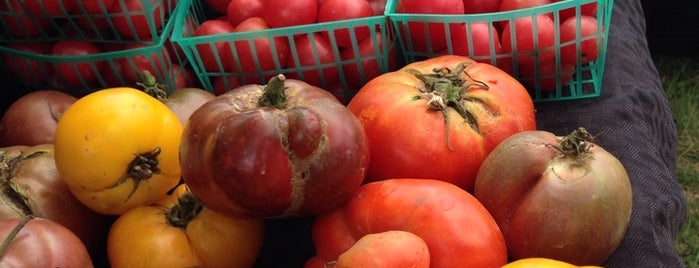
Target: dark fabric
x,y
632,120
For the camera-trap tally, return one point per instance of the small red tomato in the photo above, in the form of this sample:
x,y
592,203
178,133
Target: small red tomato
x,y
333,10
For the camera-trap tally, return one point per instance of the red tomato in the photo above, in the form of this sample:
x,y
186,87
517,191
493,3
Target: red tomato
x,y
556,197
587,35
285,149
506,5
589,9
457,229
378,6
480,49
220,6
157,63
49,7
532,43
223,84
214,57
546,76
130,18
333,10
394,248
240,10
435,37
311,50
42,243
78,75
97,8
290,13
481,6
32,118
449,130
19,22
30,71
370,50
262,55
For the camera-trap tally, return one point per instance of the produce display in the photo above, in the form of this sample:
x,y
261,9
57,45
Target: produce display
x,y
314,129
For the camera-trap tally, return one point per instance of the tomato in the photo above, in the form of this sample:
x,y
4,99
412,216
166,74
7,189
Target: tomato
x,y
333,10
506,5
19,22
378,6
130,18
182,101
80,74
240,10
313,50
214,57
458,230
370,50
96,9
260,55
32,187
32,72
220,6
589,9
157,63
290,13
41,243
32,119
435,37
223,84
409,118
95,6
280,150
583,29
117,149
49,7
532,36
563,198
481,6
482,34
394,248
179,232
546,76
542,263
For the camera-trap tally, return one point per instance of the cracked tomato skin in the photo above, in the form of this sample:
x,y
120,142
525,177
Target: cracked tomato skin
x,y
409,138
99,137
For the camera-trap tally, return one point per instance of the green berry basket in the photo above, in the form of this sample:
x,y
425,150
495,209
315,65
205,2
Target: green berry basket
x,y
314,52
564,62
34,66
124,21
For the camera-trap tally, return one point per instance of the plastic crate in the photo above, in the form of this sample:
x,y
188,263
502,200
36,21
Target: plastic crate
x,y
86,73
126,21
343,75
541,70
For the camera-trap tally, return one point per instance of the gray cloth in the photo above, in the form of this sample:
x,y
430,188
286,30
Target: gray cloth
x,y
632,120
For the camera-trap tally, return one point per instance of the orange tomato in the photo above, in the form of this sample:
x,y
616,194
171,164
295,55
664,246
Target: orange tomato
x,y
542,263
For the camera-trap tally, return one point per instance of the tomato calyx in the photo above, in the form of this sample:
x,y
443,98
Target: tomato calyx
x,y
446,88
274,95
7,165
151,86
11,236
577,143
142,167
186,209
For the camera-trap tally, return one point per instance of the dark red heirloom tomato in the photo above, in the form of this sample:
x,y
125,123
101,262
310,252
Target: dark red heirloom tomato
x,y
279,150
439,118
457,229
563,198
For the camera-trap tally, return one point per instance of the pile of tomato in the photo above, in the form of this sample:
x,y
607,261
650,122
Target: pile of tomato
x,y
435,164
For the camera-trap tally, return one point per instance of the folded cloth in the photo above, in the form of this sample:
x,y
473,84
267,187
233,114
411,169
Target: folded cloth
x,y
633,121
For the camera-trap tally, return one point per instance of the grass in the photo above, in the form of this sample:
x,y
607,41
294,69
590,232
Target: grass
x,y
680,77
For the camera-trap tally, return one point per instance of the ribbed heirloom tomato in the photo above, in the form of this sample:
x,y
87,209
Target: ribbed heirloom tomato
x,y
439,118
117,149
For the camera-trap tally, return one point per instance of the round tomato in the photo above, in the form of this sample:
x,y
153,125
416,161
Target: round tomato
x,y
457,229
481,6
214,57
49,7
19,22
542,263
506,5
564,198
531,38
434,37
118,148
32,72
439,118
279,150
333,10
290,13
587,35
81,74
263,54
362,67
240,10
394,248
41,242
157,63
179,232
131,18
308,48
32,119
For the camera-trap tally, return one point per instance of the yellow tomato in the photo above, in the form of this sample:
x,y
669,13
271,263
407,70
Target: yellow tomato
x,y
117,149
542,263
176,234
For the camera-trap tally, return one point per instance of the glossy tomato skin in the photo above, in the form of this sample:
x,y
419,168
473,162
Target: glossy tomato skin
x,y
130,18
457,229
145,237
104,136
32,119
568,208
249,160
43,243
409,139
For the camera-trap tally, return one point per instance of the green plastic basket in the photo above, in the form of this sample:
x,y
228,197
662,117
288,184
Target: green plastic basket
x,y
343,75
123,22
83,74
543,72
